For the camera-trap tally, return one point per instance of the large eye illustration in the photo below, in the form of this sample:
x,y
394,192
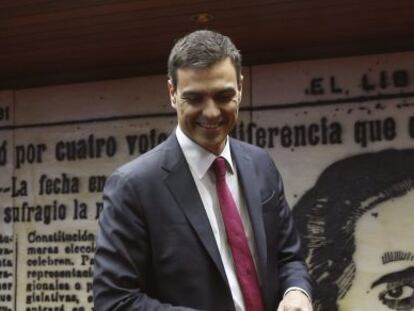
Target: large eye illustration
x,y
398,295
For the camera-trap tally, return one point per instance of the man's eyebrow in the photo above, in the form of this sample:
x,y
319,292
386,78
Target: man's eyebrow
x,y
227,90
218,91
395,276
192,93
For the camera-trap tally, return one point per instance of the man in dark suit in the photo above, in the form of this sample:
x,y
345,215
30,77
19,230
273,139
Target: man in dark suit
x,y
165,239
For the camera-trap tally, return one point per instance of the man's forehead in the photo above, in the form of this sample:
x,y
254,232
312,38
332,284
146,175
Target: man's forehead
x,y
212,79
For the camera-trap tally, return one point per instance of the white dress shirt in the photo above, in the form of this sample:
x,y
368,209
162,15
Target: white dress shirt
x,y
200,160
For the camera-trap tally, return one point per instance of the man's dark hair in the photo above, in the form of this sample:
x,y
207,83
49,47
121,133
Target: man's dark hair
x,y
327,214
202,49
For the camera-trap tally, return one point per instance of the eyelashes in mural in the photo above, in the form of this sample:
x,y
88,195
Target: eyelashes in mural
x,y
356,226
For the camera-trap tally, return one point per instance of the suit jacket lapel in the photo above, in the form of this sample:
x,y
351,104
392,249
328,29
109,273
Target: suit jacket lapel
x,y
182,186
247,177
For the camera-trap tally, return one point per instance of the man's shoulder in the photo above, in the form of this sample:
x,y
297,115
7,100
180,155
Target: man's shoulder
x,y
151,162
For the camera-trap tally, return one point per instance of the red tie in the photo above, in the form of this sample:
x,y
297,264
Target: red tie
x,y
243,260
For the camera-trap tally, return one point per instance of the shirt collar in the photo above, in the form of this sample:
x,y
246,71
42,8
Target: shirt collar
x,y
198,158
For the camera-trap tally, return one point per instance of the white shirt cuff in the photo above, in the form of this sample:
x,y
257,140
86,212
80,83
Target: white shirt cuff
x,y
299,289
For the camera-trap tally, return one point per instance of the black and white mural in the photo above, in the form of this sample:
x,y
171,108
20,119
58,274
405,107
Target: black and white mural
x,y
356,223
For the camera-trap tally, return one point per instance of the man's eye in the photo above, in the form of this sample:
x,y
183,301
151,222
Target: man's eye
x,y
194,99
224,98
398,296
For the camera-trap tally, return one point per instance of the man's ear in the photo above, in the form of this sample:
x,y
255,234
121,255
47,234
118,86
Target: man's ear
x,y
240,87
172,93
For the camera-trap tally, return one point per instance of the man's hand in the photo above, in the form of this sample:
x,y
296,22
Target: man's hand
x,y
295,300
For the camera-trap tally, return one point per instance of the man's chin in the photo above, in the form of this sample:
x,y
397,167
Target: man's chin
x,y
210,131
212,145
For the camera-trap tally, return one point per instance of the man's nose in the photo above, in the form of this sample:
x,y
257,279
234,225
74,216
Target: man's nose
x,y
211,110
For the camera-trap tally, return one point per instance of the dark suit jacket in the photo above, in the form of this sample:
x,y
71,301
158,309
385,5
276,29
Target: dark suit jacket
x,y
155,247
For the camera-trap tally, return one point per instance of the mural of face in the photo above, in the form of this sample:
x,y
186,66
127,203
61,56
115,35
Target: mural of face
x,y
384,258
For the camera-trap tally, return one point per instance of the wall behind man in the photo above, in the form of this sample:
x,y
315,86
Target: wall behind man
x,y
59,144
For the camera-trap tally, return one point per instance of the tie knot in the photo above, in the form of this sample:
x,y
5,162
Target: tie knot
x,y
219,166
